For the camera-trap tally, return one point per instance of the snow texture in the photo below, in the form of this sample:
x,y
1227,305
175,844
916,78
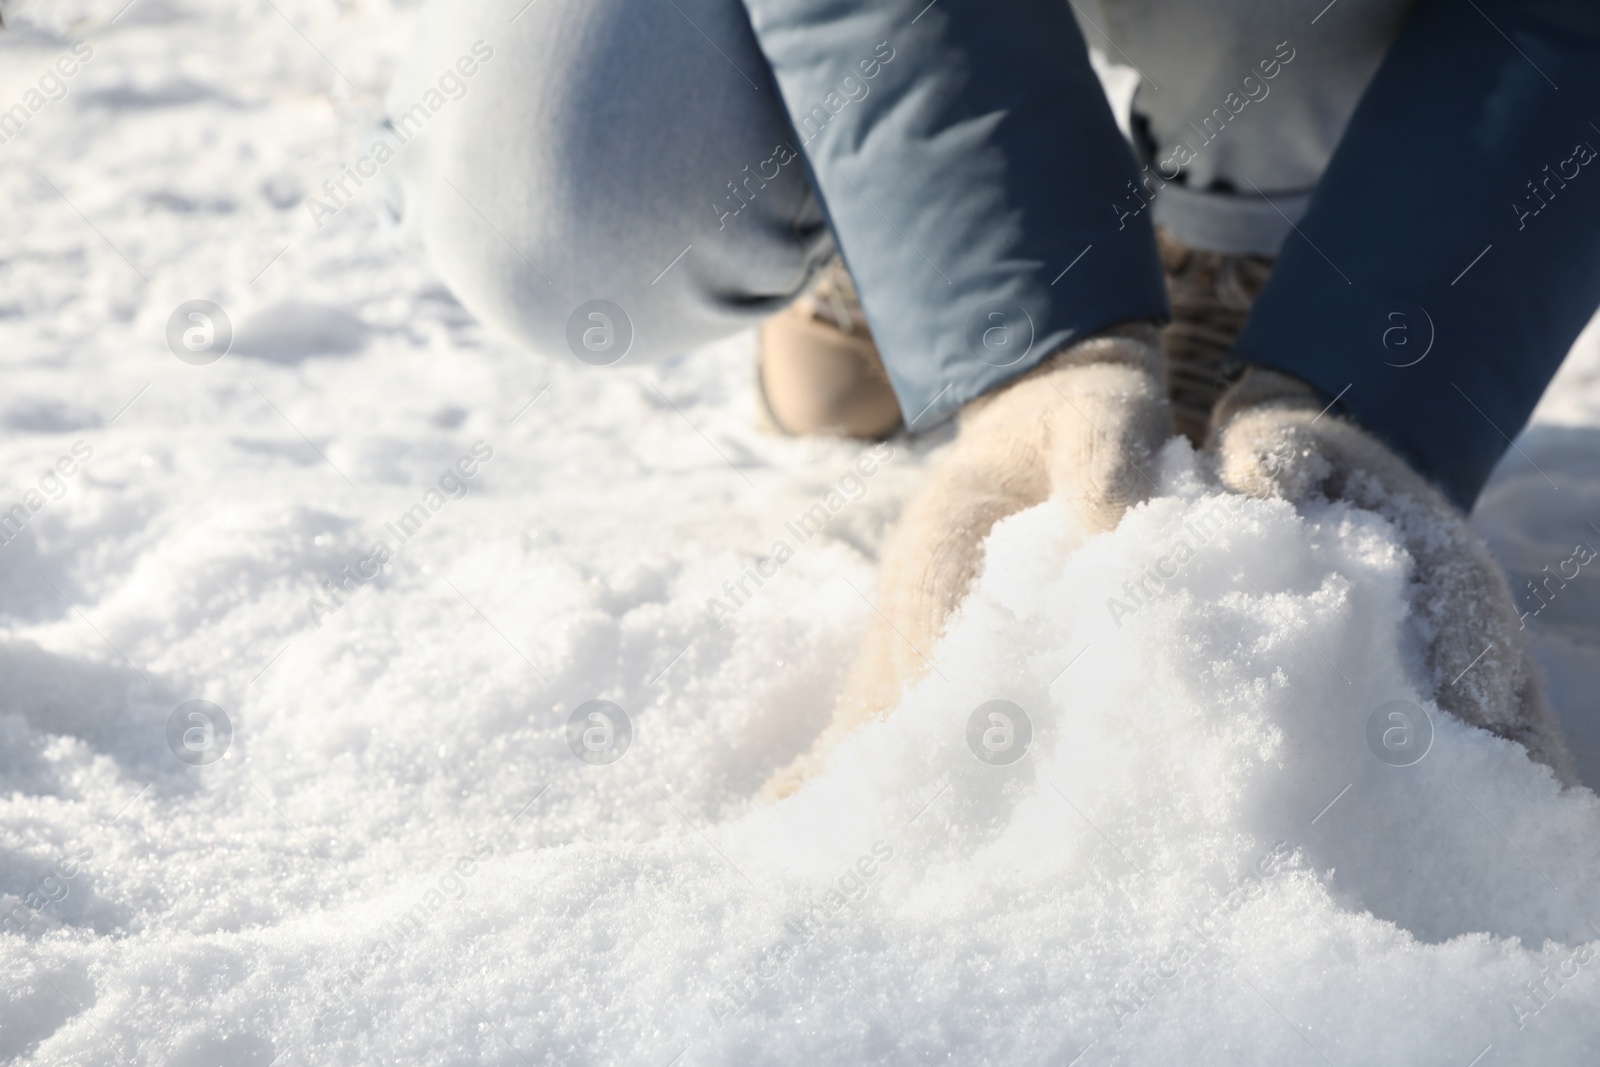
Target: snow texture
x,y
398,858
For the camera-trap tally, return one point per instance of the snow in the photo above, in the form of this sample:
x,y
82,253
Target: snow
x,y
397,858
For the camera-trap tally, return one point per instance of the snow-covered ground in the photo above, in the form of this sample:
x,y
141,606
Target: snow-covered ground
x,y
398,859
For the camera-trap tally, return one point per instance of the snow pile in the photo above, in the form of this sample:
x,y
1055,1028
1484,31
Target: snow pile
x,y
1200,857
399,858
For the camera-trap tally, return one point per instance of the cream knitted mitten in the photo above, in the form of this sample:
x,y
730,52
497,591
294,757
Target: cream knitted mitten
x,y
1271,438
1080,427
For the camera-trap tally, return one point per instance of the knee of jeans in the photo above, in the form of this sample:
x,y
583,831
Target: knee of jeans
x,y
605,325
568,297
594,287
635,274
579,204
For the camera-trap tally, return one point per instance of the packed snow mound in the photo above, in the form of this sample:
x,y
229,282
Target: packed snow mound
x,y
1200,856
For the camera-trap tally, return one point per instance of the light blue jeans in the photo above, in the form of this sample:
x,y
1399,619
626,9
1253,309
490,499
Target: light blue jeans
x,y
608,150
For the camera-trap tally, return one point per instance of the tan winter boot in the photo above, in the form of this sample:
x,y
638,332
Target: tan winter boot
x,y
820,373
1211,294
